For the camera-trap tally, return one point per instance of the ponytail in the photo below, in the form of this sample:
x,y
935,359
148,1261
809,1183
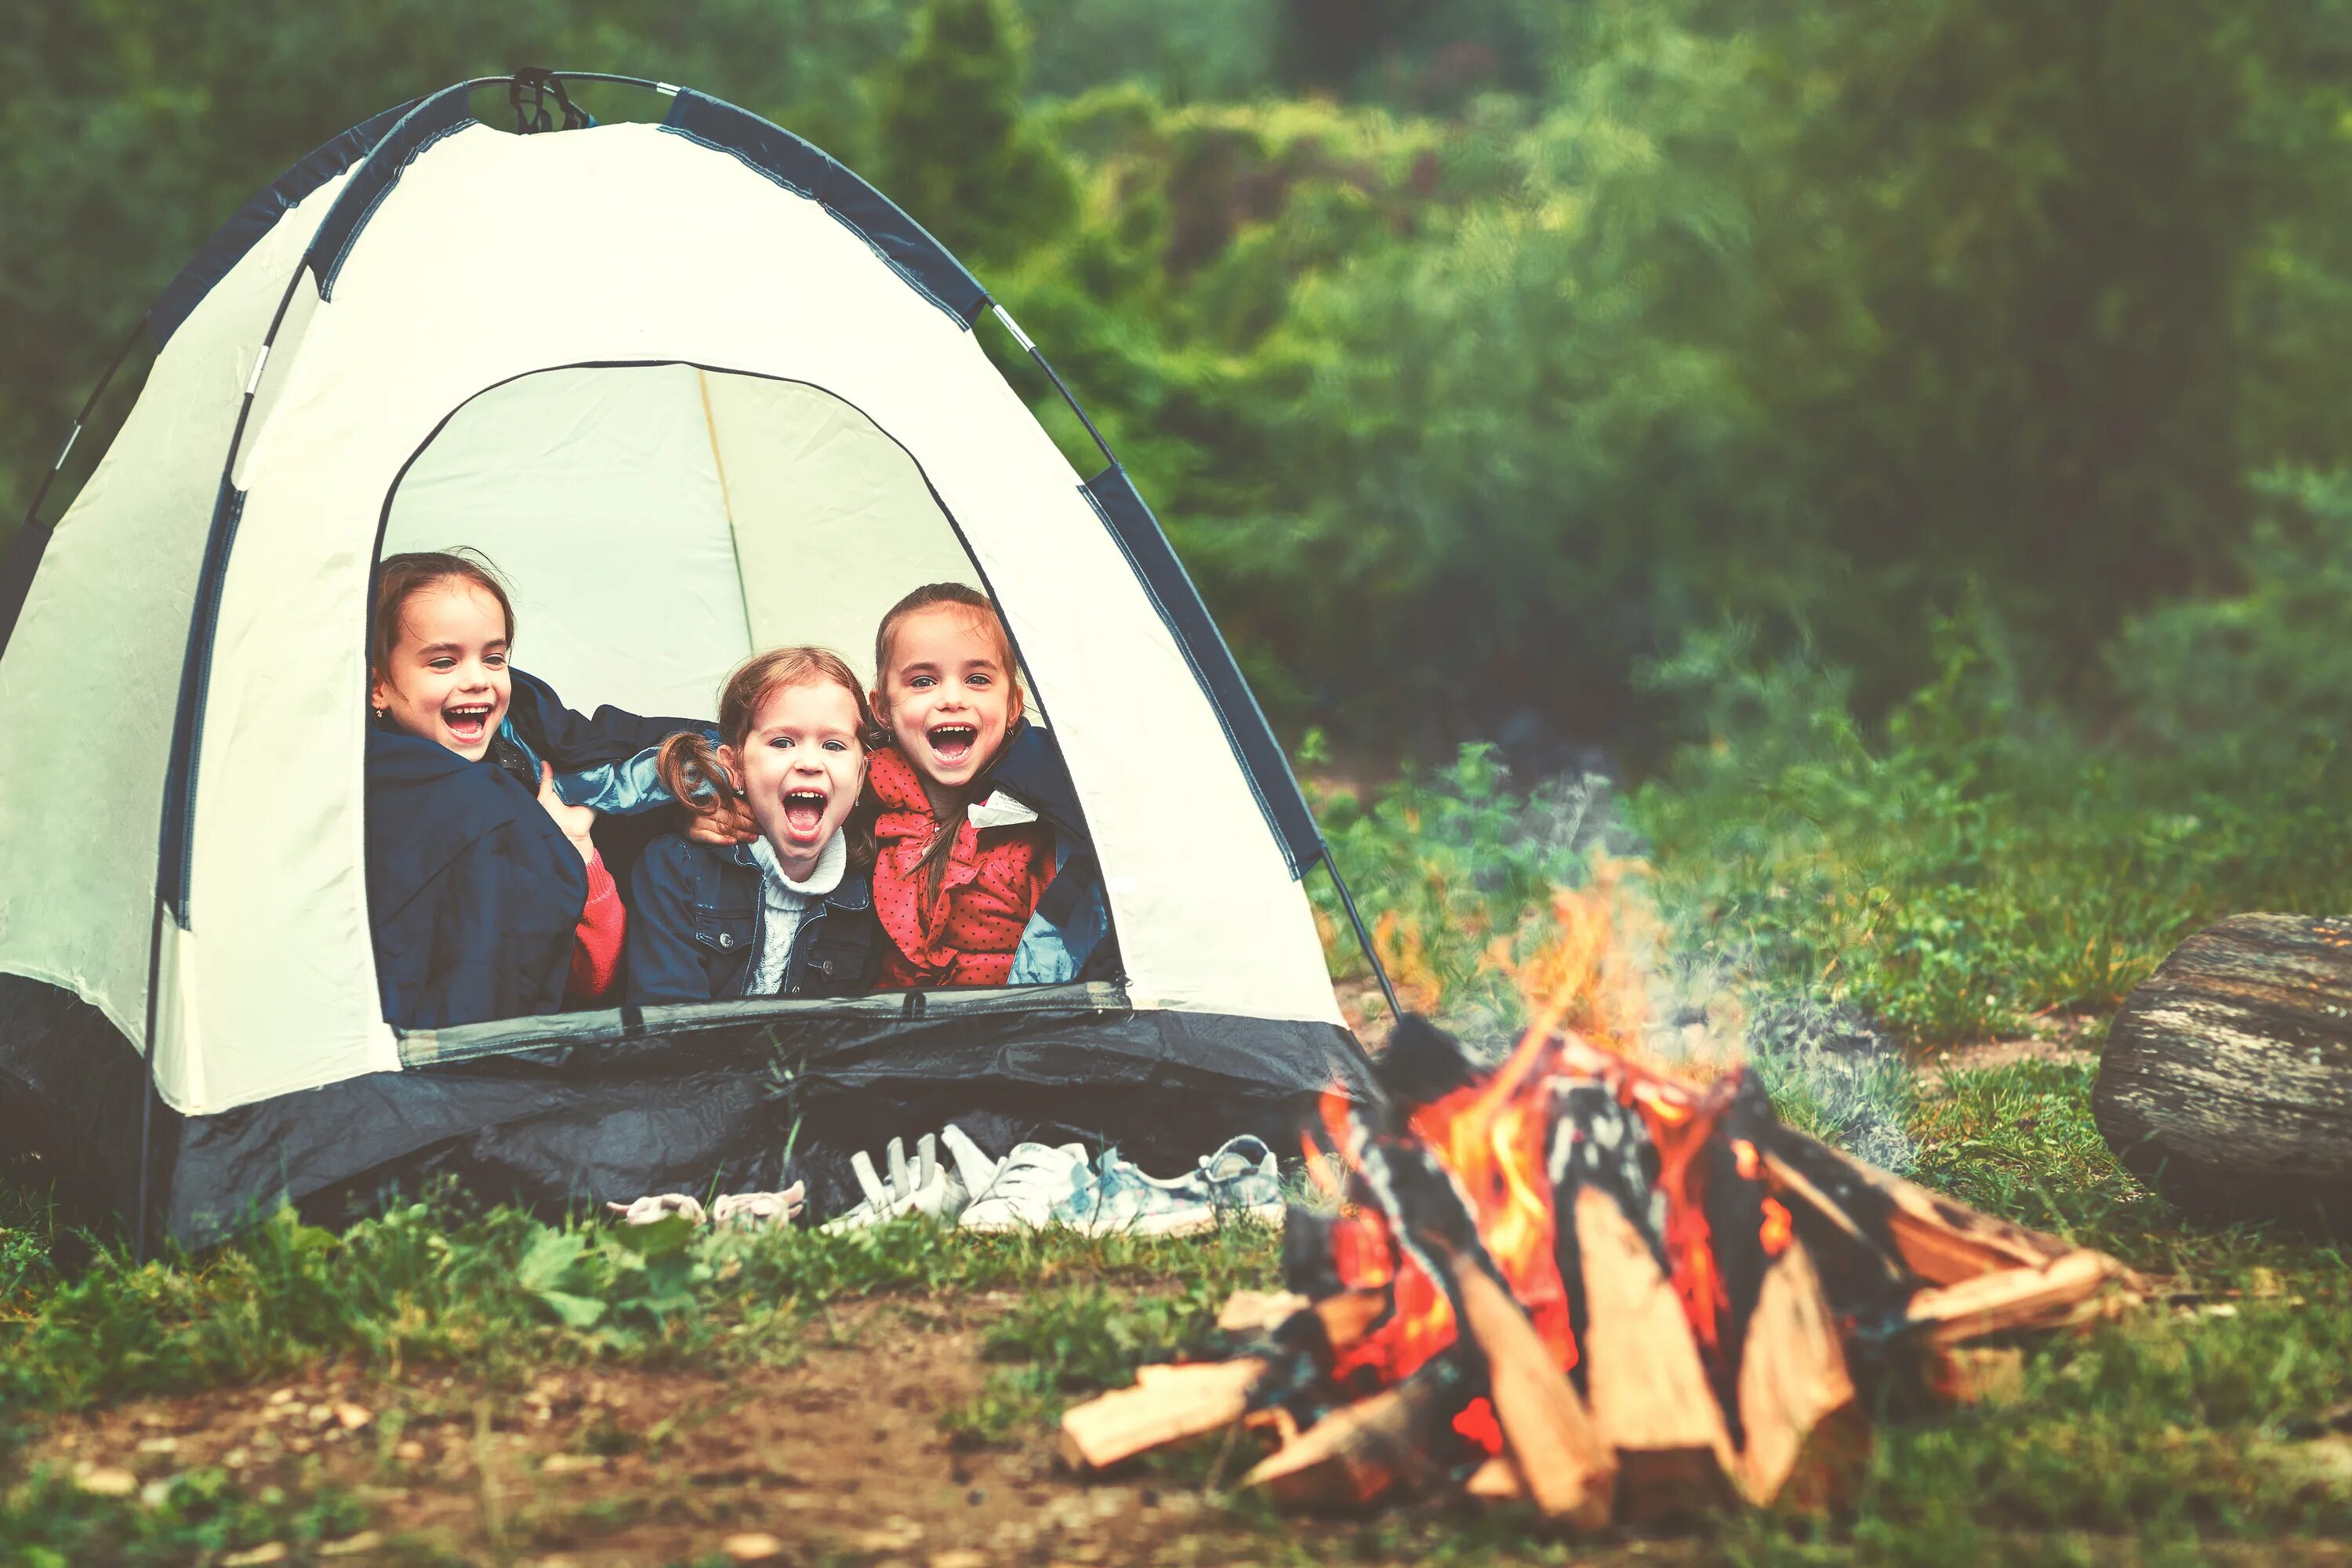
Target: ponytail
x,y
690,770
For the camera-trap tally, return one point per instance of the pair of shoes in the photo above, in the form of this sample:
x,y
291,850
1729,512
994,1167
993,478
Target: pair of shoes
x,y
974,1192
658,1207
758,1211
1240,1181
735,1211
924,1188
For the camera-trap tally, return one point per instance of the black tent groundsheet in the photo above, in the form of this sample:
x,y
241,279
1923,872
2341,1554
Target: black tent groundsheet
x,y
584,1108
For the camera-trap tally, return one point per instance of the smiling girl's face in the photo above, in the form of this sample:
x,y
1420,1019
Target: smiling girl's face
x,y
947,693
444,677
802,767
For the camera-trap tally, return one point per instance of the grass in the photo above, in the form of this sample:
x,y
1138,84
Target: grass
x,y
1950,881
2177,1431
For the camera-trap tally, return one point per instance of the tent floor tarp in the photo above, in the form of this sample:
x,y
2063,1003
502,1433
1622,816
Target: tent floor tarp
x,y
702,1107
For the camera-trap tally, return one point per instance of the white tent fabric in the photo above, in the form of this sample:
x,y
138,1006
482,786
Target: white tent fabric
x,y
681,256
91,679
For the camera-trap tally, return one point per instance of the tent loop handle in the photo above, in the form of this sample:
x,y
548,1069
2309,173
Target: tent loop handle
x,y
532,117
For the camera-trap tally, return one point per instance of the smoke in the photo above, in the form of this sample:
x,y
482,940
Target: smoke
x,y
1654,974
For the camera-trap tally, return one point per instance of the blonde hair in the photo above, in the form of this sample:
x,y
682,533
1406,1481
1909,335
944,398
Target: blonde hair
x,y
690,770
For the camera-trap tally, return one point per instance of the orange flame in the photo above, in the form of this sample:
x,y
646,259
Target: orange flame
x,y
1587,983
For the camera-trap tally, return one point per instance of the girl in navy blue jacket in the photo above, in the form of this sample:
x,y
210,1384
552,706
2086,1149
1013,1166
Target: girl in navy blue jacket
x,y
488,897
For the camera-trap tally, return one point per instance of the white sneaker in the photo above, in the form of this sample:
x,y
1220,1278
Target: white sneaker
x,y
925,1187
660,1207
1026,1187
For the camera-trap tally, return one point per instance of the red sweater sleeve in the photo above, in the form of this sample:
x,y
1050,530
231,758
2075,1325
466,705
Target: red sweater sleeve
x,y
596,942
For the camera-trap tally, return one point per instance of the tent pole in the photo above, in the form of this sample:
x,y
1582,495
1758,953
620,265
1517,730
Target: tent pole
x,y
1054,376
147,1083
90,406
23,558
1363,937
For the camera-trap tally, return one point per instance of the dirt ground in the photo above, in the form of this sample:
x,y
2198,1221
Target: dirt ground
x,y
1933,1065
838,1459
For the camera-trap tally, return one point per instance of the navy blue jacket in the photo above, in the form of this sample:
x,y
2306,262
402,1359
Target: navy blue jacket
x,y
473,892
1070,937
695,929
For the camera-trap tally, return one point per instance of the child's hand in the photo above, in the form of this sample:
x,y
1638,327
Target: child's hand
x,y
726,821
575,820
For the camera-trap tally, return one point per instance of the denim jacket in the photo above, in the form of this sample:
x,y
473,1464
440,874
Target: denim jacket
x,y
695,927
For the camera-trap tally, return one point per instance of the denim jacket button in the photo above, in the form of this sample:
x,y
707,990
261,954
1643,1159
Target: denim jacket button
x,y
726,938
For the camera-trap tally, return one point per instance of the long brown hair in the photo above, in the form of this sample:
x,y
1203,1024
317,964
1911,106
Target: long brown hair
x,y
690,770
949,807
400,578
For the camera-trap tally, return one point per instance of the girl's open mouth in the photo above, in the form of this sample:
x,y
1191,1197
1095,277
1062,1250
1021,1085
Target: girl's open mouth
x,y
951,742
803,813
469,722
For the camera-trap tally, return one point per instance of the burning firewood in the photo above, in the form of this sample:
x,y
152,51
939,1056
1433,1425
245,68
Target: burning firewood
x,y
1363,1451
1166,1405
1796,1393
1649,1392
1581,1282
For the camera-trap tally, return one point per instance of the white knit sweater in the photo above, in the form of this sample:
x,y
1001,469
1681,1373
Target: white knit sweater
x,y
784,903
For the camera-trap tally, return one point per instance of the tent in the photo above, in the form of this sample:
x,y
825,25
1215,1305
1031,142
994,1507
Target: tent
x,y
734,398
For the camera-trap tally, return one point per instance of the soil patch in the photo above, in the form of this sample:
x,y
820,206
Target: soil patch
x,y
1936,1065
839,1458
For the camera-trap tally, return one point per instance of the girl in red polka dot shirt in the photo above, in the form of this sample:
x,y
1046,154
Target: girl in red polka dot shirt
x,y
959,870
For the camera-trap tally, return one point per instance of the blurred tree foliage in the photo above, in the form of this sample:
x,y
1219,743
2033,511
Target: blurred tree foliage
x,y
1473,351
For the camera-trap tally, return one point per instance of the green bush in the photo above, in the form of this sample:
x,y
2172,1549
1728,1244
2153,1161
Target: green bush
x,y
1984,864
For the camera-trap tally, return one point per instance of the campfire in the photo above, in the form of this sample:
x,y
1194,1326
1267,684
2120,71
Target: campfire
x,y
1580,1280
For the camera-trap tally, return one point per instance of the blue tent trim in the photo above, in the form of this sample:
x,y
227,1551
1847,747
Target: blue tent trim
x,y
242,232
423,122
808,171
1122,509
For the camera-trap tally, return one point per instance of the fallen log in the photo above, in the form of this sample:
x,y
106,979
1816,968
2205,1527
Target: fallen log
x,y
2226,1082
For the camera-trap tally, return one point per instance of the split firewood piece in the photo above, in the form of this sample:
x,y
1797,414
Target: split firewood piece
x,y
1166,1405
1569,1467
1941,1241
1651,1399
1361,1452
2073,1289
1788,1183
1248,1311
1350,1315
1496,1481
1796,1393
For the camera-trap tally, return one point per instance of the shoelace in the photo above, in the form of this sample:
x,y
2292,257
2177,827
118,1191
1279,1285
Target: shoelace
x,y
1023,1177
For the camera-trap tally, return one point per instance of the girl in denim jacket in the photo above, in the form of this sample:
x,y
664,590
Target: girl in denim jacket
x,y
790,913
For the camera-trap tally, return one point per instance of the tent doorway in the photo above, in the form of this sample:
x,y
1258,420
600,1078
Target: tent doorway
x,y
659,523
